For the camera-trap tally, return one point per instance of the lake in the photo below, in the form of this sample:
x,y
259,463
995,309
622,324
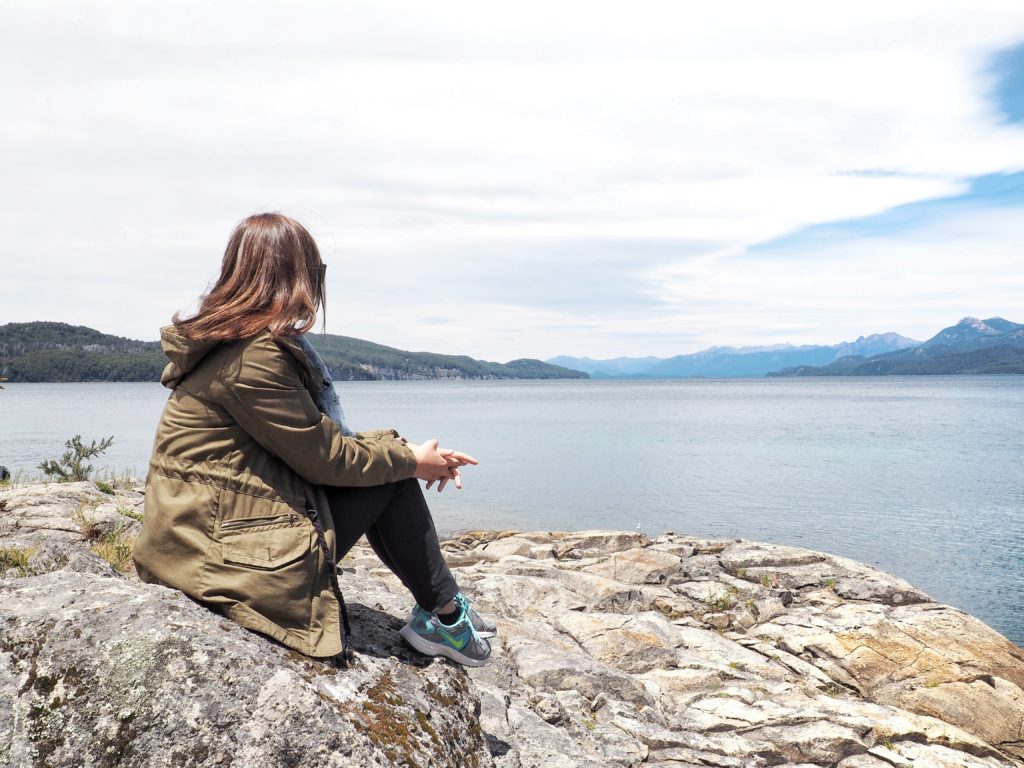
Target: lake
x,y
921,476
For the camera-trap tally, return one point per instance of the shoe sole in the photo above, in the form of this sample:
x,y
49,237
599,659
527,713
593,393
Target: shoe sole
x,y
424,646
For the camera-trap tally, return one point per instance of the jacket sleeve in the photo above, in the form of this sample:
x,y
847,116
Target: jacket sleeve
x,y
265,395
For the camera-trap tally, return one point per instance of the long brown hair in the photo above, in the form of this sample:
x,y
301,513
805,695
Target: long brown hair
x,y
271,278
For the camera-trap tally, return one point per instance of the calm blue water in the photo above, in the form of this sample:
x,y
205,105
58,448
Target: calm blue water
x,y
922,476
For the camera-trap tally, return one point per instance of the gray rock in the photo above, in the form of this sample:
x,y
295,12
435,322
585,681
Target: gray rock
x,y
717,620
513,545
61,556
698,567
768,608
637,643
544,668
603,659
638,566
743,617
97,670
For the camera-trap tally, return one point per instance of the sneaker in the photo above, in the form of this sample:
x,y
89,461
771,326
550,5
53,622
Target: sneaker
x,y
459,642
484,627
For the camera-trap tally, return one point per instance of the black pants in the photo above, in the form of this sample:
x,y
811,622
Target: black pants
x,y
398,525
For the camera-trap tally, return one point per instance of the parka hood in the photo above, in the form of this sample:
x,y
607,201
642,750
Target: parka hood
x,y
184,354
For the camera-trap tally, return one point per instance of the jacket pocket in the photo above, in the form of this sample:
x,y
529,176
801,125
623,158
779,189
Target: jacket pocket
x,y
263,567
264,543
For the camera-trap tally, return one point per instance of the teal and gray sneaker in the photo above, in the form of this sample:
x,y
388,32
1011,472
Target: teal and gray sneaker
x,y
484,627
459,642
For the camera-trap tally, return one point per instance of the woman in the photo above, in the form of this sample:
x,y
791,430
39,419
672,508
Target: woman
x,y
253,494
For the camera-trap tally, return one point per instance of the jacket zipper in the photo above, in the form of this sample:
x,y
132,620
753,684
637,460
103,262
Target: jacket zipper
x,y
253,522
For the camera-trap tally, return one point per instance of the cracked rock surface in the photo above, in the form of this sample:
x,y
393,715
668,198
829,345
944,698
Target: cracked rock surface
x,y
613,650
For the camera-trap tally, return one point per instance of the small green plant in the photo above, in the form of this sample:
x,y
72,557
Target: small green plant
x,y
15,558
741,572
766,580
71,467
116,548
106,488
124,479
738,665
887,743
589,724
135,514
830,583
86,524
722,602
832,688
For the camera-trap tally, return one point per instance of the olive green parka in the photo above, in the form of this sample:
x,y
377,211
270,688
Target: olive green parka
x,y
241,453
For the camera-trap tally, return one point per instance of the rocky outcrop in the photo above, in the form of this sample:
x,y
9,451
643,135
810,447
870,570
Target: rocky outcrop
x,y
613,650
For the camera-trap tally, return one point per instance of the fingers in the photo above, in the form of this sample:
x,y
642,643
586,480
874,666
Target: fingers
x,y
453,474
445,462
458,459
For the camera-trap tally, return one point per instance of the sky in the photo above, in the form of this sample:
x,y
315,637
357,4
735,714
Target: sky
x,y
525,179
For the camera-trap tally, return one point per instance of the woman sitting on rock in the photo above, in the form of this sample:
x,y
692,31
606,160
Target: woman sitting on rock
x,y
256,487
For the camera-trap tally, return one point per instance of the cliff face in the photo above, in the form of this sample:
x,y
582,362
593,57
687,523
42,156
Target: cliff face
x,y
613,650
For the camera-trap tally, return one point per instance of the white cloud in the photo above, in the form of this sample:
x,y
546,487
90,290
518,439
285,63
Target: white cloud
x,y
429,146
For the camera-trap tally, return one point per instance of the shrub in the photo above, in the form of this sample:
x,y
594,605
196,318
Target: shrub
x,y
71,467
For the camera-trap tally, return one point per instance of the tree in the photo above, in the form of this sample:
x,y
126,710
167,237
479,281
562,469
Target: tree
x,y
69,468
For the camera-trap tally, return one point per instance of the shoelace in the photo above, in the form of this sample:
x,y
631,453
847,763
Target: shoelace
x,y
463,602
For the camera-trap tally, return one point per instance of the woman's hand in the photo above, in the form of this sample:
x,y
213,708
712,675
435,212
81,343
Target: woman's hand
x,y
439,465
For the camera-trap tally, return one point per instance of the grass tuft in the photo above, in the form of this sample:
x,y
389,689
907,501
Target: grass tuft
x,y
16,558
722,602
116,548
132,512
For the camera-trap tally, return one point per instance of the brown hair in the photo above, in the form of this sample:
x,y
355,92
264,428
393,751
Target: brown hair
x,y
271,279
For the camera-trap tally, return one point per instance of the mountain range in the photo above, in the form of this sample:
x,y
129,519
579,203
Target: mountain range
x,y
993,345
44,351
735,361
972,346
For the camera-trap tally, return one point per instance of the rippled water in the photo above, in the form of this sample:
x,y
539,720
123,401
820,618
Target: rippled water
x,y
921,476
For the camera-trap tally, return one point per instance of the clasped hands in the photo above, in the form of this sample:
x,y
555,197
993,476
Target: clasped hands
x,y
438,465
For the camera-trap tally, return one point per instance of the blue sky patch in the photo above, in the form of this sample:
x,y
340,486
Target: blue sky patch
x,y
1008,91
996,190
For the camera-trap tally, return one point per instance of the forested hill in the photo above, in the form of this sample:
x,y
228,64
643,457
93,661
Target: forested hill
x,y
352,359
62,352
58,352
